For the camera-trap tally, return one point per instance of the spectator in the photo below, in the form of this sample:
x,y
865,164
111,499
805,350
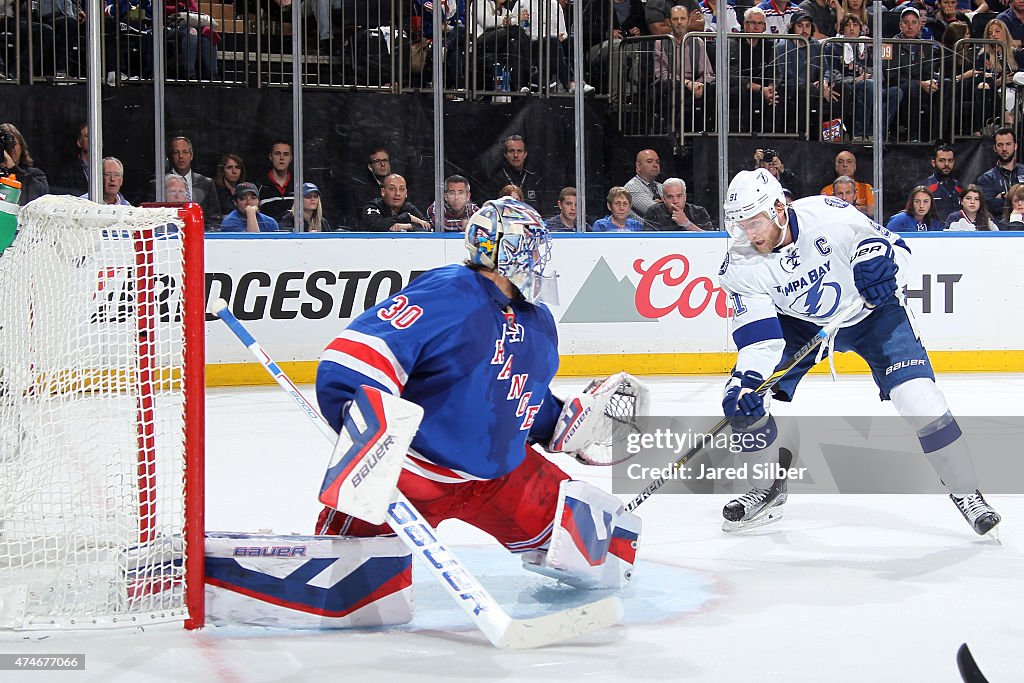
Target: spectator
x,y
620,212
854,63
658,15
200,39
67,19
844,187
674,213
626,19
997,180
73,176
919,216
946,14
453,31
230,172
799,69
944,187
547,25
391,212
514,171
915,64
823,16
276,196
752,88
977,100
644,189
1004,57
512,190
973,214
378,163
246,216
129,25
565,219
779,15
1013,214
17,161
39,57
458,205
312,212
1013,17
113,177
859,9
500,40
770,160
686,65
199,188
175,189
846,164
709,12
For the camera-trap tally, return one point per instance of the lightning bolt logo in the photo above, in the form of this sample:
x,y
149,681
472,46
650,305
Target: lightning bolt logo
x,y
811,302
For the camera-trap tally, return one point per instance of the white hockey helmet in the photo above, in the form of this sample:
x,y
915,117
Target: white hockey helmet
x,y
751,193
508,236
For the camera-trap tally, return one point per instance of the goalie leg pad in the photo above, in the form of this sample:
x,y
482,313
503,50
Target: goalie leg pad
x,y
593,540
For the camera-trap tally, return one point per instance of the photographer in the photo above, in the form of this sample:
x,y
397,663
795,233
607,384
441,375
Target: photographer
x,y
17,162
770,160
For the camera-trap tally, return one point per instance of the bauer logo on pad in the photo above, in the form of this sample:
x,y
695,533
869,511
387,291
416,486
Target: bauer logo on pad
x,y
367,458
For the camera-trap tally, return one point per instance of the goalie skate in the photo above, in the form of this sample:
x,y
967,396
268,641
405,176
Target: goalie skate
x,y
978,513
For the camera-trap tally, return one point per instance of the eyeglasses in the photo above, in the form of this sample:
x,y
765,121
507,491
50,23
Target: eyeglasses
x,y
380,161
112,174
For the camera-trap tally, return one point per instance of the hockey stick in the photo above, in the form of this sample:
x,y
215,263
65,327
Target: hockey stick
x,y
422,539
763,388
969,670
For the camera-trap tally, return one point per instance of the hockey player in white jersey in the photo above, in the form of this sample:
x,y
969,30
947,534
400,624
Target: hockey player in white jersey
x,y
790,270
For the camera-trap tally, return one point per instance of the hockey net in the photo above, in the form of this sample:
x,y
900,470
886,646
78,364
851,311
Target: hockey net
x,y
101,403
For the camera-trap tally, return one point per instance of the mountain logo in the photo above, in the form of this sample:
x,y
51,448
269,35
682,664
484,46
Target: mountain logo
x,y
604,298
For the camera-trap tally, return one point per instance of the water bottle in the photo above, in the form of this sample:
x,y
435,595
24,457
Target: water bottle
x,y
10,192
501,82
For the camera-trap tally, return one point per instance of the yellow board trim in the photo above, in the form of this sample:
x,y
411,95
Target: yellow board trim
x,y
596,365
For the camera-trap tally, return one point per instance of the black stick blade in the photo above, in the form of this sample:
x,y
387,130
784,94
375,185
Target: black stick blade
x,y
969,670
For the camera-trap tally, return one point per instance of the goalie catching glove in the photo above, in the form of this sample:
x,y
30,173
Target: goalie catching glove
x,y
592,420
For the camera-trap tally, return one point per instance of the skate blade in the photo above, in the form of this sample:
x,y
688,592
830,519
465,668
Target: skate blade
x,y
771,516
993,535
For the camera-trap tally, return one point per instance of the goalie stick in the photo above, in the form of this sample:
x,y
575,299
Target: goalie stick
x,y
422,539
763,388
969,670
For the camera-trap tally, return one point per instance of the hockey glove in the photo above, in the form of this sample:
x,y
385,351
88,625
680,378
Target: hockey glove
x,y
741,404
874,271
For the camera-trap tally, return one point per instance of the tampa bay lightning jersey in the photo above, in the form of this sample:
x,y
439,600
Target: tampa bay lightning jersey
x,y
477,363
810,279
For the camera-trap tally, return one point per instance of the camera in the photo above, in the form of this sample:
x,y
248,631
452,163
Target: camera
x,y
9,142
769,155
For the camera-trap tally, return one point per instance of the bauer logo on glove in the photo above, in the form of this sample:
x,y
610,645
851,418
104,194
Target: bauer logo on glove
x,y
594,419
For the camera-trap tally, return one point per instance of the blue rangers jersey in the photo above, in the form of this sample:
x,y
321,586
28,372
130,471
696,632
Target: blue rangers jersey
x,y
477,363
810,279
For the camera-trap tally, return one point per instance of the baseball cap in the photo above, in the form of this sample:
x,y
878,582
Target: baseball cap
x,y
243,188
309,188
910,10
800,15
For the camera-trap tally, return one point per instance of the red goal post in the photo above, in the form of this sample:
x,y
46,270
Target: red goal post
x,y
102,315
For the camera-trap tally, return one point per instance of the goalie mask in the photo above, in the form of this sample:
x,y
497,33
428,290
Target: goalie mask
x,y
751,193
508,236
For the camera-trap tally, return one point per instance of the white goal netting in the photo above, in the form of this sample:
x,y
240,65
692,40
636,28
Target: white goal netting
x,y
92,427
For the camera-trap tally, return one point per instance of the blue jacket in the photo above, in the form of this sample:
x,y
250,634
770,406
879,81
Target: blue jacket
x,y
235,222
904,222
998,180
605,225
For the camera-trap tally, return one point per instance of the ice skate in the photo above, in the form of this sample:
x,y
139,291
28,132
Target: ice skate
x,y
759,506
978,513
755,508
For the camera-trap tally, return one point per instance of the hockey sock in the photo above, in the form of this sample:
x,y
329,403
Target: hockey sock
x,y
923,406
